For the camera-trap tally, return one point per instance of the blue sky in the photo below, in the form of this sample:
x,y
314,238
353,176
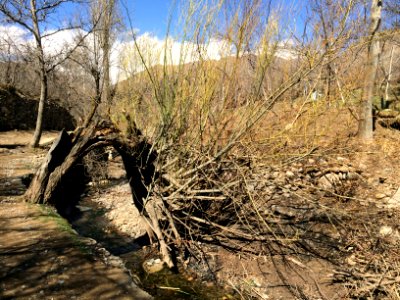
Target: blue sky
x,y
150,15
146,15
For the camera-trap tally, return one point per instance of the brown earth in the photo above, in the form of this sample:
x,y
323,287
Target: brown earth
x,y
367,246
41,257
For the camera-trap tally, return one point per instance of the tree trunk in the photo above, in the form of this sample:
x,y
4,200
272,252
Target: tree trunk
x,y
106,24
389,77
365,129
56,155
43,75
42,100
57,191
55,180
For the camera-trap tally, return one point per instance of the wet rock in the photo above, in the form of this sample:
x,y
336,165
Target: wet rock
x,y
152,266
115,261
84,208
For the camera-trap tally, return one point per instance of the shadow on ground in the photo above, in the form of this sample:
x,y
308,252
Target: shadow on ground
x,y
42,258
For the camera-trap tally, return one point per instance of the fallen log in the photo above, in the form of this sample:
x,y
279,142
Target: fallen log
x,y
55,179
56,155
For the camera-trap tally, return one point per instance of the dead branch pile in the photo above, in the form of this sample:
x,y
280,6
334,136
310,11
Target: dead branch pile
x,y
305,208
241,205
363,283
371,267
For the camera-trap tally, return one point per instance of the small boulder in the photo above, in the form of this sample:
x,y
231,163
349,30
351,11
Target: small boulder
x,y
380,196
152,265
394,201
289,174
385,231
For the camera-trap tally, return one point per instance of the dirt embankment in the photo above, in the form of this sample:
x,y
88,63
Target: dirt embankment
x,y
19,112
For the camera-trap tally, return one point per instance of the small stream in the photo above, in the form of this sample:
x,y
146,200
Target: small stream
x,y
90,222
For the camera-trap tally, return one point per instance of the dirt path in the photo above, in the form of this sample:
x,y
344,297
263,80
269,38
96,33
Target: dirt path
x,y
17,161
42,258
23,137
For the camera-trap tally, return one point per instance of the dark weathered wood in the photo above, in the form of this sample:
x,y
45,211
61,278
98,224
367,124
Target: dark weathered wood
x,y
56,155
56,177
58,181
140,171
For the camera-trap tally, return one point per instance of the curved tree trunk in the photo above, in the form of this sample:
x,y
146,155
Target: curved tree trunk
x,y
52,183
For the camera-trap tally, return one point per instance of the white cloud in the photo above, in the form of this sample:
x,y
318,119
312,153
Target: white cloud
x,y
56,42
12,40
13,32
125,59
155,51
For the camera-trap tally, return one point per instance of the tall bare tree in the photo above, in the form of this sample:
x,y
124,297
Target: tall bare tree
x,y
8,53
325,12
94,55
106,22
365,129
32,15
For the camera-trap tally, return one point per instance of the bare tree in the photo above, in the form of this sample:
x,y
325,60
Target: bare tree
x,y
106,22
325,20
32,15
8,53
392,7
365,129
325,11
93,56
